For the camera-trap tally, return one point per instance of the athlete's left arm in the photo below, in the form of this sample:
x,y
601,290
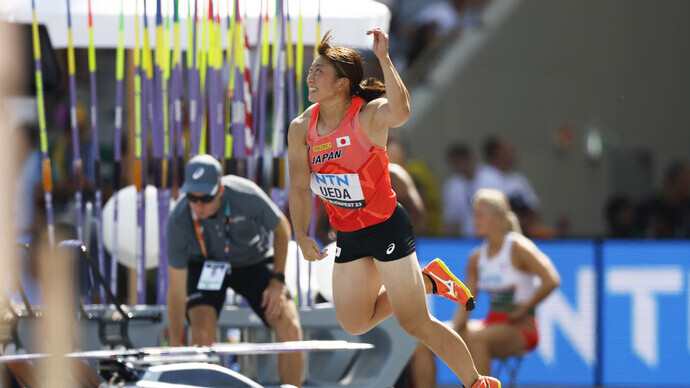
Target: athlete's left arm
x,y
394,110
528,258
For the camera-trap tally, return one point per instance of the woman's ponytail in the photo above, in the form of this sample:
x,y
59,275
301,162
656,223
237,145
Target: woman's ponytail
x,y
513,222
370,89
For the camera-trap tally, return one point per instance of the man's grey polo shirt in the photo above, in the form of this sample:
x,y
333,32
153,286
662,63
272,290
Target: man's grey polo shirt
x,y
254,217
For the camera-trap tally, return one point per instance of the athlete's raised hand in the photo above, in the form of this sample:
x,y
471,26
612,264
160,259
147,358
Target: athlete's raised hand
x,y
380,46
310,249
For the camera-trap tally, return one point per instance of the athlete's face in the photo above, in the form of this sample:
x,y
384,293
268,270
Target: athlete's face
x,y
203,209
323,81
486,221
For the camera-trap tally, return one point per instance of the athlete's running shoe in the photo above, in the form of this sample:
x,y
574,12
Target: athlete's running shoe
x,y
486,382
447,285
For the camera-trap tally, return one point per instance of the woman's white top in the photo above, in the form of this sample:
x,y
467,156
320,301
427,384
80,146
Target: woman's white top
x,y
499,277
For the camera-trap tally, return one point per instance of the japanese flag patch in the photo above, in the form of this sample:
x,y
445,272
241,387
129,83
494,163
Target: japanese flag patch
x,y
342,141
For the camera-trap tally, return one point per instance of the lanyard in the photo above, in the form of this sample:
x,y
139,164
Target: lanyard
x,y
200,237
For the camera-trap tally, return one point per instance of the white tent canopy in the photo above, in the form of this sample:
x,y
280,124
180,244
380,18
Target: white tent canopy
x,y
349,19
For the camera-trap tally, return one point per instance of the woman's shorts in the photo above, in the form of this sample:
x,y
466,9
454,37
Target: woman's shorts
x,y
529,332
389,240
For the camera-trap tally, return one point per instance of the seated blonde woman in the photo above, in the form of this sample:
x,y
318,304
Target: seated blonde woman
x,y
517,277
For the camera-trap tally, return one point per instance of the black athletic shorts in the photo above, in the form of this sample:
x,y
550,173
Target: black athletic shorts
x,y
250,282
389,240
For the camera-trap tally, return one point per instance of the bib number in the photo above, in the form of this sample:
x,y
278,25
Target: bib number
x,y
212,275
342,190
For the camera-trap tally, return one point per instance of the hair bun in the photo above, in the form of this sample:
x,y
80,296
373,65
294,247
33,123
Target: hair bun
x,y
370,89
370,83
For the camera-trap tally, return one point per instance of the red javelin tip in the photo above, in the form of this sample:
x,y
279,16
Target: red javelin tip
x,y
90,16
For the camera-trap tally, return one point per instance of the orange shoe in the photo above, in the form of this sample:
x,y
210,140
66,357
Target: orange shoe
x,y
486,382
447,285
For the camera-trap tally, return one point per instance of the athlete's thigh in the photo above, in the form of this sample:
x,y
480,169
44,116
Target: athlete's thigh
x,y
502,340
404,286
356,286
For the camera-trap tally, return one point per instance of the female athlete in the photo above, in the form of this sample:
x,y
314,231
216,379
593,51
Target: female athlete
x,y
336,149
516,274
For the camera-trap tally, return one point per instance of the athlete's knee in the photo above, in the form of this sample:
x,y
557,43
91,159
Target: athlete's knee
x,y
354,328
415,325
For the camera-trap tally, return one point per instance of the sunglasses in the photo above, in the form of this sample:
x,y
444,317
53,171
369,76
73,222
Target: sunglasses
x,y
203,198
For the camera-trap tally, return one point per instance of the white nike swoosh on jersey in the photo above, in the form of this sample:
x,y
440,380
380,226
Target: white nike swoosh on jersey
x,y
447,283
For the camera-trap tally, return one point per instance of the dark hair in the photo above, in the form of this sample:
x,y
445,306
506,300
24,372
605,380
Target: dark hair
x,y
458,151
674,170
349,65
491,145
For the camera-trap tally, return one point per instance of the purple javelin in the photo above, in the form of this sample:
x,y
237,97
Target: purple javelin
x,y
278,193
77,166
96,153
119,77
193,81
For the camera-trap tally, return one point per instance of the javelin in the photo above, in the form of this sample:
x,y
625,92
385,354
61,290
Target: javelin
x,y
255,85
119,76
230,25
256,60
160,140
45,164
96,153
291,78
248,91
312,223
177,93
193,81
278,184
261,108
239,117
215,101
318,32
139,179
290,66
203,63
149,125
299,61
77,167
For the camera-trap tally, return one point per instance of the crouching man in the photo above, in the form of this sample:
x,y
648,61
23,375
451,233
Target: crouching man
x,y
219,236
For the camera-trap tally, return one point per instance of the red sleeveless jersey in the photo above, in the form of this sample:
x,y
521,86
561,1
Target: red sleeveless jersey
x,y
350,173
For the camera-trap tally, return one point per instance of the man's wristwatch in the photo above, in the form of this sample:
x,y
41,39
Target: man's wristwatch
x,y
278,276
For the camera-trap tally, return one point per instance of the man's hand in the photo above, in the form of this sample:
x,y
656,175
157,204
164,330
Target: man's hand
x,y
274,299
310,249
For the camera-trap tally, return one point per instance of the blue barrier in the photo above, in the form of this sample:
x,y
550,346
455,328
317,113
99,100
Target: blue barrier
x,y
643,314
646,324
